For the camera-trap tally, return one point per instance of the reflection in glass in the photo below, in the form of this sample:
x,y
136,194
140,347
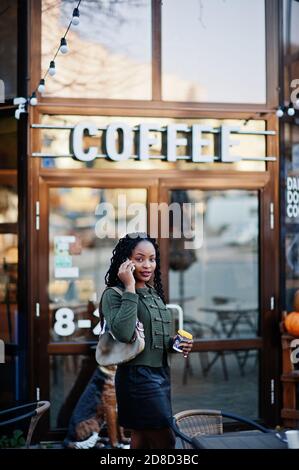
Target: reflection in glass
x,y
8,287
291,212
211,55
193,387
69,376
82,237
8,204
56,142
292,264
291,150
109,52
291,30
9,46
8,385
217,283
294,36
8,143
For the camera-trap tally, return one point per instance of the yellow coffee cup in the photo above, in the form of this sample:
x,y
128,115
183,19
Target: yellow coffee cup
x,y
181,336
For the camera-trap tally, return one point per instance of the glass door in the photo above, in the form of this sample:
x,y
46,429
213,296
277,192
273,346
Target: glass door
x,y
214,275
79,227
217,272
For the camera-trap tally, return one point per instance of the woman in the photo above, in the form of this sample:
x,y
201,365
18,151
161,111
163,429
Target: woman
x,y
143,384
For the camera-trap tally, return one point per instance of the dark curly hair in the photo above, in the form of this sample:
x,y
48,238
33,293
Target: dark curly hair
x,y
123,250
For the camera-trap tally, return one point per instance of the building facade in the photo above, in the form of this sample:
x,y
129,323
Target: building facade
x,y
155,102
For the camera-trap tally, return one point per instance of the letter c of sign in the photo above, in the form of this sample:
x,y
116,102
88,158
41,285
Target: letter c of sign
x,y
77,141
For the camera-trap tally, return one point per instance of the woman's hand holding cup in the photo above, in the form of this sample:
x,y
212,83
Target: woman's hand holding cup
x,y
183,342
186,347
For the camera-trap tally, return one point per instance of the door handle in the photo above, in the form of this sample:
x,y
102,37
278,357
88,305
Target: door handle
x,y
179,309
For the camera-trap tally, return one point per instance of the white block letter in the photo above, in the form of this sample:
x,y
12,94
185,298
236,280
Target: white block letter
x,y
226,143
198,142
112,152
145,140
77,141
173,141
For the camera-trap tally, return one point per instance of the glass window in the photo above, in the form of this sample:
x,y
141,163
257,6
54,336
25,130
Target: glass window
x,y
291,154
8,391
8,287
109,51
210,50
8,204
290,22
84,228
8,143
217,282
8,49
193,386
57,142
294,73
69,376
294,34
291,74
290,211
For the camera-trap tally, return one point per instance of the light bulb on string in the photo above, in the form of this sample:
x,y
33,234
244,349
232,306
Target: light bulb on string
x,y
33,99
291,110
75,19
41,87
52,69
279,112
63,46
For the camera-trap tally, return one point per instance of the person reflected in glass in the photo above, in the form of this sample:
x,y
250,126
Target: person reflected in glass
x,y
142,384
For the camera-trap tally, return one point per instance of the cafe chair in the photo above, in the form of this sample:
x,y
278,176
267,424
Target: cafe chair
x,y
33,410
190,423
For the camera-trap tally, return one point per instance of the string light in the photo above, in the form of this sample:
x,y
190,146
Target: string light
x,y
52,68
75,19
279,112
41,87
33,99
291,111
63,48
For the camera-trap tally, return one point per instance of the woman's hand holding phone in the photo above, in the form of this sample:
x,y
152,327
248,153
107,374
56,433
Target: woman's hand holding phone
x,y
125,274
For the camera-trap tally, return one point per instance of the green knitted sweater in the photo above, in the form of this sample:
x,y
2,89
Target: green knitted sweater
x,y
121,313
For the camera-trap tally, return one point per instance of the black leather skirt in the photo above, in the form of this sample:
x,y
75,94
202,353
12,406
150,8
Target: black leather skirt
x,y
143,397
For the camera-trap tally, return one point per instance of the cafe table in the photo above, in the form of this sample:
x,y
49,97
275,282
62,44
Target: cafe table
x,y
240,440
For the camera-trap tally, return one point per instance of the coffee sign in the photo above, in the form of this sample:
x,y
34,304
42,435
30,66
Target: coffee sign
x,y
122,135
118,141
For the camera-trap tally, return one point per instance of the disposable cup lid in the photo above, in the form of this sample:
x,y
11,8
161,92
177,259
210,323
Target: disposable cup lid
x,y
185,334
